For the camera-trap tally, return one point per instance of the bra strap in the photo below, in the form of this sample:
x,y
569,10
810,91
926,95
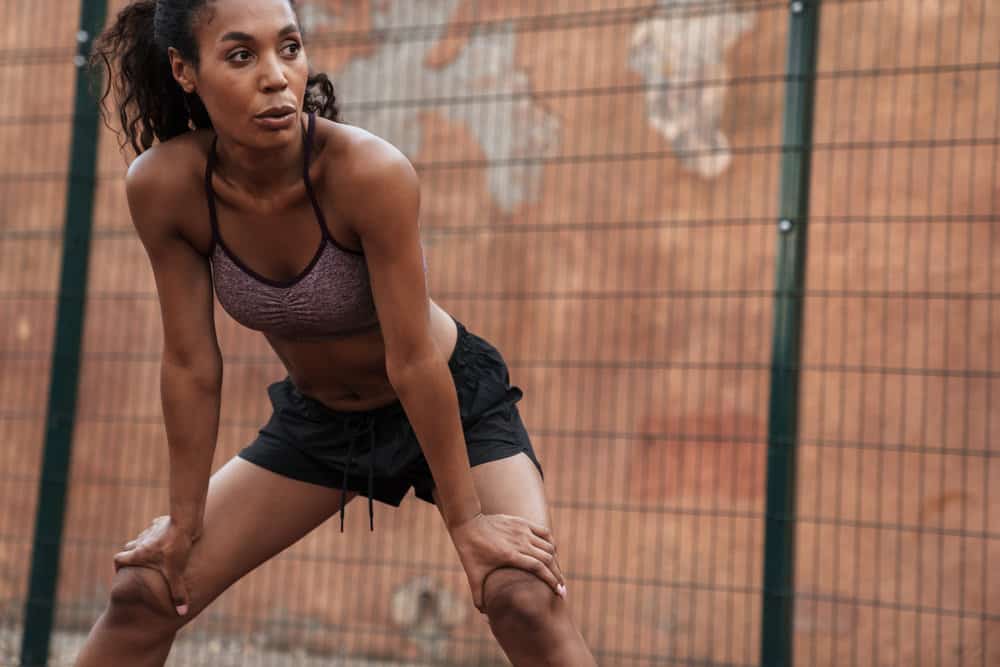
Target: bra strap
x,y
310,133
210,192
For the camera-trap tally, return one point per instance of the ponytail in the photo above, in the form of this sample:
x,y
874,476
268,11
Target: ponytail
x,y
132,53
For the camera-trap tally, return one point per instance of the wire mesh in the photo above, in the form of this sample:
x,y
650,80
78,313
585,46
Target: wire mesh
x,y
38,45
897,522
599,199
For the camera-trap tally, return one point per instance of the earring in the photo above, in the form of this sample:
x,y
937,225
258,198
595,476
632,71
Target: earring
x,y
190,122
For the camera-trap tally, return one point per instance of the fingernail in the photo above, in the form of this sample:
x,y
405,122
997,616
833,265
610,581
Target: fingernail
x,y
182,609
562,590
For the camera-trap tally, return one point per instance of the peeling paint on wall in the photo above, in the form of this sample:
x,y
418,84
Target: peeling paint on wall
x,y
682,60
513,130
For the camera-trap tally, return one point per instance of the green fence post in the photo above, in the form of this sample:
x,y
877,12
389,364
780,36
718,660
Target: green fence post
x,y
40,606
779,541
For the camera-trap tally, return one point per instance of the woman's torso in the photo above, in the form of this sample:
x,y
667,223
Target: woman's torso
x,y
278,237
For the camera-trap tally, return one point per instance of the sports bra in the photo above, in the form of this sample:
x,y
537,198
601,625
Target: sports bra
x,y
331,296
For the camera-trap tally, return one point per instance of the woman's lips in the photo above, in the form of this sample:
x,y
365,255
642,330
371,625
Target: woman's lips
x,y
275,122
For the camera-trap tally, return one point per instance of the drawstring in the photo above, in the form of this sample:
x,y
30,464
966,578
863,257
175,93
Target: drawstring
x,y
343,490
371,478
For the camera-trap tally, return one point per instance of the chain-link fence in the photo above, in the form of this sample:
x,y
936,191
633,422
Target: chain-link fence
x,y
601,197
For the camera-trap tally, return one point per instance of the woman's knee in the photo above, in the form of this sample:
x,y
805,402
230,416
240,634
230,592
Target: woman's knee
x,y
140,597
518,601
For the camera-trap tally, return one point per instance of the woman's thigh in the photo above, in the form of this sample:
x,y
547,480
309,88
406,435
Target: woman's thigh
x,y
512,486
251,514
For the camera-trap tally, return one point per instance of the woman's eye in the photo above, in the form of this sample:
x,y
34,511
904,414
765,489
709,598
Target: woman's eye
x,y
236,56
295,46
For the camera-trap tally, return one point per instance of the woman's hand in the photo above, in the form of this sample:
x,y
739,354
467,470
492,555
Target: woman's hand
x,y
165,548
487,542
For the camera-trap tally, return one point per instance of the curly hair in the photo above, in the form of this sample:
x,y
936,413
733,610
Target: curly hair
x,y
132,52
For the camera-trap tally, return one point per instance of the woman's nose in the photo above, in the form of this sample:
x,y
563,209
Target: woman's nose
x,y
272,75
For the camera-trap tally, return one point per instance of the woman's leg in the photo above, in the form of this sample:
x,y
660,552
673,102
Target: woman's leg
x,y
531,622
251,514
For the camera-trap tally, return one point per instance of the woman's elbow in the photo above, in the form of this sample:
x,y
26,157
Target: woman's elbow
x,y
205,371
405,372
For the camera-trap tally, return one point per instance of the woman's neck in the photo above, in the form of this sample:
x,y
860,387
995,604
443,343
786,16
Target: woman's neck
x,y
260,173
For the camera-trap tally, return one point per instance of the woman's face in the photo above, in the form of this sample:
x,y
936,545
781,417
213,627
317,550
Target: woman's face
x,y
252,63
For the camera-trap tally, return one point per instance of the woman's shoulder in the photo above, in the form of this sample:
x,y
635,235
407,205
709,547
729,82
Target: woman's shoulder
x,y
165,185
358,160
354,151
173,168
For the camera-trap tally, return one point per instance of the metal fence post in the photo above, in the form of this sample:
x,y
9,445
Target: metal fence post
x,y
40,606
779,543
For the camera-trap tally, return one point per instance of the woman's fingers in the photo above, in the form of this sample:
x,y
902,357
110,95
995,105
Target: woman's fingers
x,y
540,570
540,531
126,559
543,549
552,565
539,543
178,591
559,573
552,562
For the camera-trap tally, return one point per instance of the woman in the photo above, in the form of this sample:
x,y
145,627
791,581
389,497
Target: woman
x,y
251,181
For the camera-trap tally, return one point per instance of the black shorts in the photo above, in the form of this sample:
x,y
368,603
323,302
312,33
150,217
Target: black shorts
x,y
375,452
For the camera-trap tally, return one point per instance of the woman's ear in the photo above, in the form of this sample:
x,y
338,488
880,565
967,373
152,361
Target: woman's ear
x,y
182,71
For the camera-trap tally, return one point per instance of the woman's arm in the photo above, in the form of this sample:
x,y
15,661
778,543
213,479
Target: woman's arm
x,y
388,229
191,368
385,217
